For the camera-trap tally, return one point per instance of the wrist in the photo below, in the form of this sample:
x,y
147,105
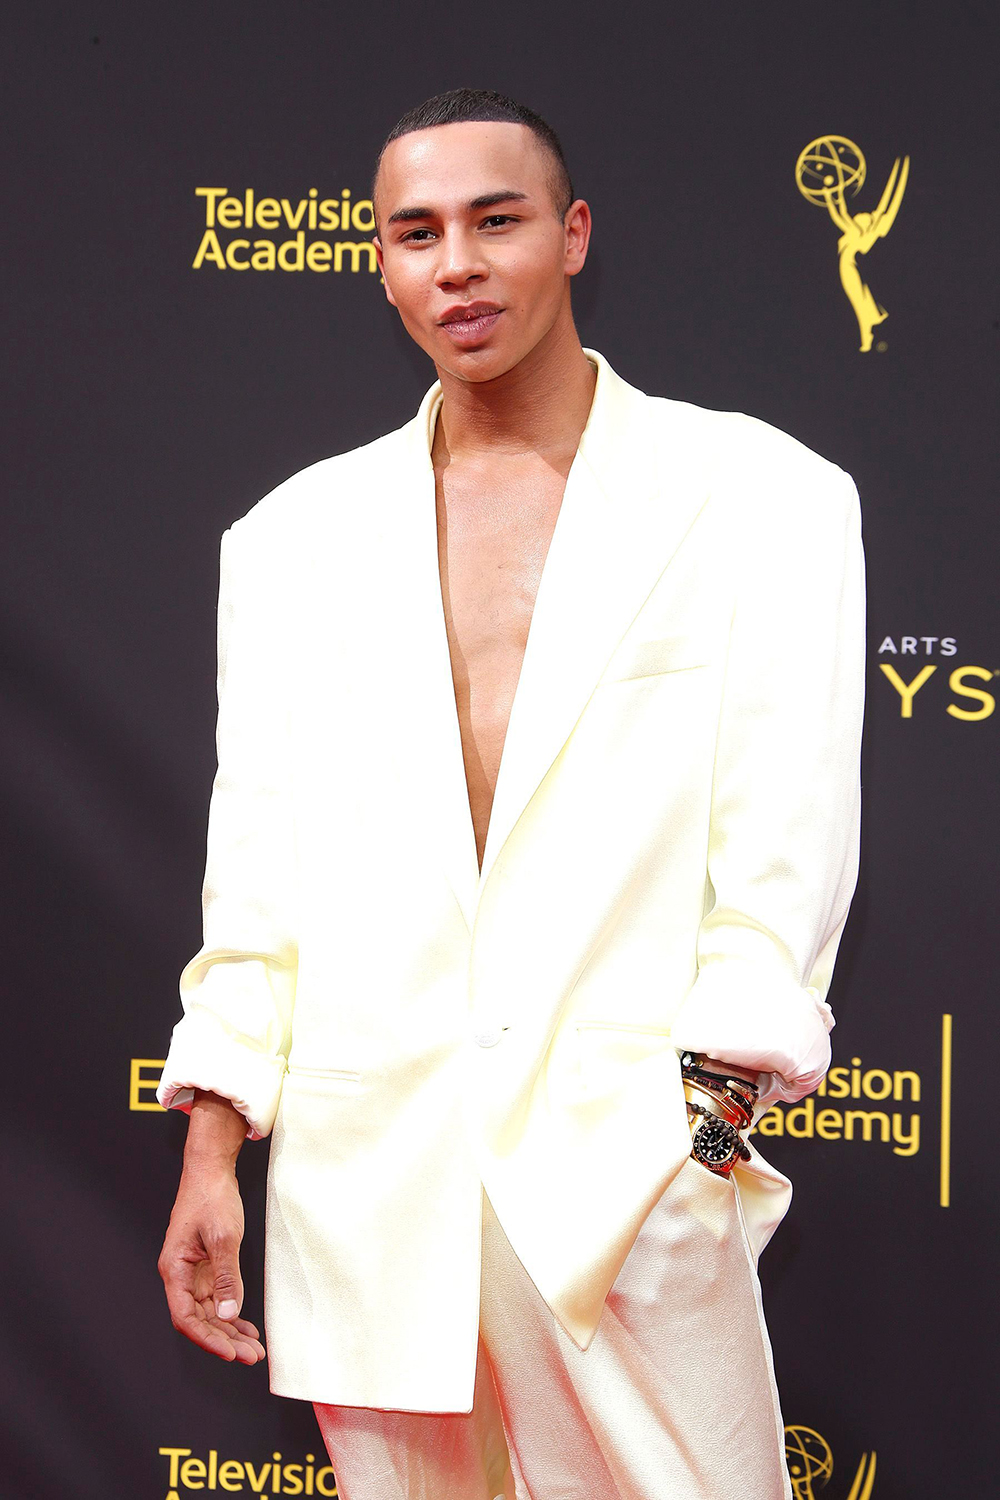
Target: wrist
x,y
216,1132
208,1163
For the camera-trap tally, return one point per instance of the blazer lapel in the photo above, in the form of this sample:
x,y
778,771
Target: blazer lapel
x,y
622,517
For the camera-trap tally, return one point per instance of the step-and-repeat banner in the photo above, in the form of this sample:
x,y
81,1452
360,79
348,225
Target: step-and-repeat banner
x,y
793,218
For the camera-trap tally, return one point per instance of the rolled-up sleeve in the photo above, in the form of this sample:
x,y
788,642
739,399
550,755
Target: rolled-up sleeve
x,y
786,805
238,992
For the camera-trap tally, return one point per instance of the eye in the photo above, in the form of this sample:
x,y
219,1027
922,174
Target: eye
x,y
497,221
413,233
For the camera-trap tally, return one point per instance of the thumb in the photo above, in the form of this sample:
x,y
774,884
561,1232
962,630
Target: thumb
x,y
227,1290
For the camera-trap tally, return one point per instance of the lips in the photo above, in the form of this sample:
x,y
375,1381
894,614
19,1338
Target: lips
x,y
470,322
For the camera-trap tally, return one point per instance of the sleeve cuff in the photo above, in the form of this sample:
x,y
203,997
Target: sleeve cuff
x,y
203,1056
782,1030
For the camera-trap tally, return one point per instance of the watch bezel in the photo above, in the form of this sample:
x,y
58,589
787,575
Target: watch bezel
x,y
715,1125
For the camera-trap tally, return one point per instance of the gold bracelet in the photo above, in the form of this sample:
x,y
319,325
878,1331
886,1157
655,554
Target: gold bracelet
x,y
722,1107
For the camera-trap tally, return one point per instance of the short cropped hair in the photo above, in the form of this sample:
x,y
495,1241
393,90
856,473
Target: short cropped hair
x,y
460,105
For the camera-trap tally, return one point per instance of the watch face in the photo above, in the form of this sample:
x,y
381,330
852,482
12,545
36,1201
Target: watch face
x,y
715,1142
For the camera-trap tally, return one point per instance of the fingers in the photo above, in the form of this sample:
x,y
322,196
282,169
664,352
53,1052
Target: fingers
x,y
189,1318
198,1280
232,1341
227,1288
247,1349
242,1334
245,1326
243,1338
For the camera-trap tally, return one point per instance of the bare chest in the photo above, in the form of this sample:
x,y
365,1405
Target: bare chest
x,y
494,533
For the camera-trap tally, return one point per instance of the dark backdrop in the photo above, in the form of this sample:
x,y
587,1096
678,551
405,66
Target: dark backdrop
x,y
149,403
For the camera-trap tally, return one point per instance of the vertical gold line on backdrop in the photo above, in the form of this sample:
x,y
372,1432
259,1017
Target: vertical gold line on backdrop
x,y
945,1111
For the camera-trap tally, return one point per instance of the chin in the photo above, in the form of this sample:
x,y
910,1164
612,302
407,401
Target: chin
x,y
477,366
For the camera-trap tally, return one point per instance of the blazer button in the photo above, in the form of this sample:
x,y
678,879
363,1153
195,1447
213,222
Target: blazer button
x,y
487,1036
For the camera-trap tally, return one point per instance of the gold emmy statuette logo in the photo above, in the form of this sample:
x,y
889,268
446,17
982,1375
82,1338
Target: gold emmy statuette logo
x,y
827,170
809,1459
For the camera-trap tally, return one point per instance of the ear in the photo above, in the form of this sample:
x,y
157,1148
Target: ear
x,y
577,225
381,265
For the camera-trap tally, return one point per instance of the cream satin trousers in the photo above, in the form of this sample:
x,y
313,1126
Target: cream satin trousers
x,y
674,1400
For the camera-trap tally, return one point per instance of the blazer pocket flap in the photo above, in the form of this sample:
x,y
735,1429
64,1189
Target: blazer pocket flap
x,y
296,1073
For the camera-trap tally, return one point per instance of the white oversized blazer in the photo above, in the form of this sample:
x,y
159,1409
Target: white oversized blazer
x,y
672,852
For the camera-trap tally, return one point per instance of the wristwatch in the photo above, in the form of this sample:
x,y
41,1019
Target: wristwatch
x,y
718,1109
715,1141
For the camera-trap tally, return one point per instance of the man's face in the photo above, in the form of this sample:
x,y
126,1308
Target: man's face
x,y
473,252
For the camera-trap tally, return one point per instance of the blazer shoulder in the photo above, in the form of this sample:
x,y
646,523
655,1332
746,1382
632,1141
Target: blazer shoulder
x,y
756,464
781,451
740,438
296,500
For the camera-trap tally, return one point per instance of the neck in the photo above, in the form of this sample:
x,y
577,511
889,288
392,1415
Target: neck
x,y
540,406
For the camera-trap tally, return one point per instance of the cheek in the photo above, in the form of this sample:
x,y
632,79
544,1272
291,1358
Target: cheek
x,y
409,290
535,276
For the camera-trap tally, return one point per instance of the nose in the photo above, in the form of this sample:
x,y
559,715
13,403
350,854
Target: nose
x,y
461,261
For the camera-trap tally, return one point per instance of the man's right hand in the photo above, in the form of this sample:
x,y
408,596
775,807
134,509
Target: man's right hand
x,y
200,1258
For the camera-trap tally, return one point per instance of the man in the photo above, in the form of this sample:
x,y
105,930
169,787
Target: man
x,y
475,891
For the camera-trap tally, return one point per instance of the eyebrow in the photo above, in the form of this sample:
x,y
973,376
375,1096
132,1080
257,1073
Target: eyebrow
x,y
485,200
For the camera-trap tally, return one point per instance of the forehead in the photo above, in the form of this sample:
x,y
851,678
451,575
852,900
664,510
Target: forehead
x,y
451,164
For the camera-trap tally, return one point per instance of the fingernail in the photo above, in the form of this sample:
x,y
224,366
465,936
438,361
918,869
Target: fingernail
x,y
227,1309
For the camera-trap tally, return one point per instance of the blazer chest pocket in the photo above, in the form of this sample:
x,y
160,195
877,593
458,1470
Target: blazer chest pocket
x,y
659,654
